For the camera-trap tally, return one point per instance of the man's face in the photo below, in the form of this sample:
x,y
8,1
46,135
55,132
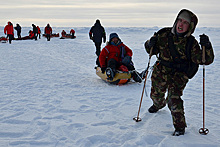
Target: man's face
x,y
115,40
182,26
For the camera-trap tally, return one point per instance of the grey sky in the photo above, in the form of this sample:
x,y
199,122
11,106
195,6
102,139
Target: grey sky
x,y
114,13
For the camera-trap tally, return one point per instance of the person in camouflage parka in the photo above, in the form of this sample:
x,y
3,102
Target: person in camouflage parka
x,y
168,78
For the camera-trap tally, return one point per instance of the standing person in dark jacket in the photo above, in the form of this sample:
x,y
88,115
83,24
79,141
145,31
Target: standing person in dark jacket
x,y
48,31
9,30
35,31
170,72
96,34
18,29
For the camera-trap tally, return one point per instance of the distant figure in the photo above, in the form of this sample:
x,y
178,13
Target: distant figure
x,y
9,30
38,31
18,29
48,31
63,33
35,30
72,33
96,33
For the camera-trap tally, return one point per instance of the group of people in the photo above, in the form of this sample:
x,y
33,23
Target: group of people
x,y
70,35
33,34
9,31
179,55
114,54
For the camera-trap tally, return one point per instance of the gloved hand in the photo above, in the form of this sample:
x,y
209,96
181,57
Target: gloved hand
x,y
103,69
126,60
91,38
204,41
153,41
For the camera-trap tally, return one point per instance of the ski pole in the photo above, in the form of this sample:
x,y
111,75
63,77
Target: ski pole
x,y
137,119
203,131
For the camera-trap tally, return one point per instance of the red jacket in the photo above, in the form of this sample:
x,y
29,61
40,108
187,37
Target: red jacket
x,y
113,51
63,33
72,31
48,30
38,30
9,29
31,34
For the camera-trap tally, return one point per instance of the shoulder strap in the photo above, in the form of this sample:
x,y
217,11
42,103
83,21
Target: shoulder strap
x,y
189,47
175,55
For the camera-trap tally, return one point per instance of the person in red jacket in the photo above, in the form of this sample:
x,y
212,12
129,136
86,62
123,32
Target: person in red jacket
x,y
48,31
115,54
31,35
72,33
63,33
9,30
38,31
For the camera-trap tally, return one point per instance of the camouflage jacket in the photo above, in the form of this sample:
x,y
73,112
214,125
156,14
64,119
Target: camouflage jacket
x,y
162,49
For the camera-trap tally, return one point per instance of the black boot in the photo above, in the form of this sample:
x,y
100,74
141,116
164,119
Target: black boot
x,y
110,73
179,131
153,109
136,76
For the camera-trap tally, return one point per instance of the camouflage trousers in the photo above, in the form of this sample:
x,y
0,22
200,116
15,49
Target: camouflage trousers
x,y
165,79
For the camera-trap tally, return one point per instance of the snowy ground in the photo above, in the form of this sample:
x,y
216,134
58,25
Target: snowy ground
x,y
50,96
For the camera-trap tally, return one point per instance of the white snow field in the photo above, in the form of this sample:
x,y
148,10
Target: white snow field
x,y
50,96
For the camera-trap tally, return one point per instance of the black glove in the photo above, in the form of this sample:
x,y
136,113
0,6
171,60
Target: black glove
x,y
153,41
126,60
204,41
103,69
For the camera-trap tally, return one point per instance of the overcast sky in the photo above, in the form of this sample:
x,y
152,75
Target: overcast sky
x,y
112,13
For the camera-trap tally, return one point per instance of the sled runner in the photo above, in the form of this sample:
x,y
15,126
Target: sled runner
x,y
119,78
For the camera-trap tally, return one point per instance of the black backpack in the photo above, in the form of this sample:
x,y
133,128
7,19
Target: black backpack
x,y
189,67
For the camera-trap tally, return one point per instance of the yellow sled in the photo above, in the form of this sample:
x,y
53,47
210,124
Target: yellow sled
x,y
120,77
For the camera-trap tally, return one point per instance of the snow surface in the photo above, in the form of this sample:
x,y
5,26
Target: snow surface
x,y
50,96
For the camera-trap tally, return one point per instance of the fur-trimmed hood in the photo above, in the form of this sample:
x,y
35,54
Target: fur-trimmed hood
x,y
193,23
